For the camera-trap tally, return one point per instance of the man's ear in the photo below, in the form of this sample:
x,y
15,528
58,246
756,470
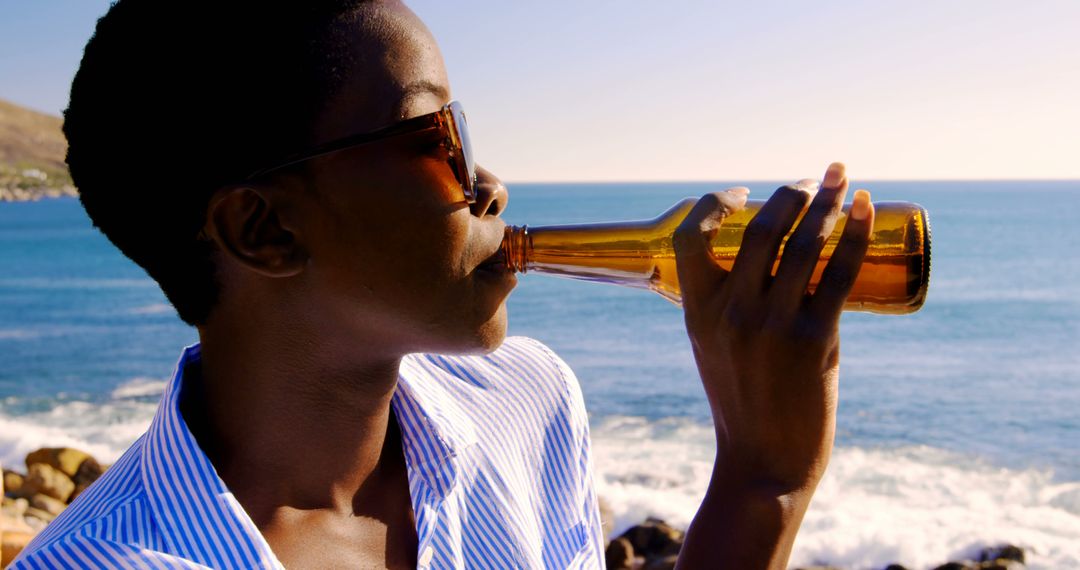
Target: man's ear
x,y
247,223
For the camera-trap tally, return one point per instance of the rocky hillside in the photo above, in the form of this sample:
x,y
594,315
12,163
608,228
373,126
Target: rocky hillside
x,y
32,148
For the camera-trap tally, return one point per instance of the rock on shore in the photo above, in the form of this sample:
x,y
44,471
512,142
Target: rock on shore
x,y
655,545
55,476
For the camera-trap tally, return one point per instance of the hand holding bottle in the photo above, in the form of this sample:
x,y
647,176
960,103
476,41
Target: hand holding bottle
x,y
768,355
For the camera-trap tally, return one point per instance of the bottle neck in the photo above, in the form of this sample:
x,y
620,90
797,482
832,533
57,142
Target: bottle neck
x,y
516,247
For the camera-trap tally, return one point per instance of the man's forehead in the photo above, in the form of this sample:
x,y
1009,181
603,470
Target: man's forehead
x,y
414,94
395,72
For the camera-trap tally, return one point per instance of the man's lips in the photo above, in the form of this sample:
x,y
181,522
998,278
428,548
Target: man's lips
x,y
496,262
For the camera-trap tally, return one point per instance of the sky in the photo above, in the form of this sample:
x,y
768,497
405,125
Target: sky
x,y
627,90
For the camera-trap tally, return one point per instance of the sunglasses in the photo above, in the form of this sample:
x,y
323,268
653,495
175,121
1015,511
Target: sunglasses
x,y
450,120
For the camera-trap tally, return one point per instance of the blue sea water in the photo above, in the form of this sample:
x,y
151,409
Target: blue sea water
x,y
959,424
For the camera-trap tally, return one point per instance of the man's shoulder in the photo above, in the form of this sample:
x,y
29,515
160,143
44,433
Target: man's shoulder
x,y
107,524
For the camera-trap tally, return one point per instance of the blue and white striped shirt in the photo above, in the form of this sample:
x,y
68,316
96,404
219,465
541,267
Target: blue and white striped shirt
x,y
497,448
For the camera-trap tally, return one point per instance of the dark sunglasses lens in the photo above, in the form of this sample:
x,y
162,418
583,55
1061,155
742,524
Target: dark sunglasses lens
x,y
468,163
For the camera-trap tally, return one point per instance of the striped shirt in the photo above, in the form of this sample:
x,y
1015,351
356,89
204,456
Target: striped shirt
x,y
500,476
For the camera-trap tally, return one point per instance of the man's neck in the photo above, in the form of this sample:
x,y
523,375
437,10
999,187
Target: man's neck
x,y
288,431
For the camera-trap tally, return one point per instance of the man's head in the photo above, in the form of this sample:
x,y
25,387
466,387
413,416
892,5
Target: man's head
x,y
175,102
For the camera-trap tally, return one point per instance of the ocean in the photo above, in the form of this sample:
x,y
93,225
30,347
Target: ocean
x,y
958,426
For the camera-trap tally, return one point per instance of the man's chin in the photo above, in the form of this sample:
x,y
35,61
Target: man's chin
x,y
491,334
480,338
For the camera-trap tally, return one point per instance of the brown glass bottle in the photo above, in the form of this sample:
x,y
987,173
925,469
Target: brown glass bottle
x,y
893,278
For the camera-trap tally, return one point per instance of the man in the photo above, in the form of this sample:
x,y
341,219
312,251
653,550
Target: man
x,y
317,216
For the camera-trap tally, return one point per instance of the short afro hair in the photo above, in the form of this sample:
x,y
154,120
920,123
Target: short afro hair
x,y
175,98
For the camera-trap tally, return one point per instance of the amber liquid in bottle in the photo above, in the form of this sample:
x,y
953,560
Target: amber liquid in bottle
x,y
893,278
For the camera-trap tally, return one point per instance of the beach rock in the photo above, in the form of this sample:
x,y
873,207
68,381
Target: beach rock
x,y
43,516
15,524
14,508
46,480
65,459
13,544
661,563
47,504
35,524
79,488
1002,564
88,472
1000,553
12,483
619,554
654,539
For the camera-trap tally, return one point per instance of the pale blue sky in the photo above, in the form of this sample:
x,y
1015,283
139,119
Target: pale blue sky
x,y
707,90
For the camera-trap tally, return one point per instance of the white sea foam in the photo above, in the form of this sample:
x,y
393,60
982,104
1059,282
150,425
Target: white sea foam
x,y
916,506
102,430
139,388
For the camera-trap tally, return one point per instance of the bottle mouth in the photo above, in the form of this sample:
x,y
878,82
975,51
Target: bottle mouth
x,y
515,248
923,285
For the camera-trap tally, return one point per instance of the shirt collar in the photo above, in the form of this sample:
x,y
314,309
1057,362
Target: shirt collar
x,y
202,520
435,426
199,517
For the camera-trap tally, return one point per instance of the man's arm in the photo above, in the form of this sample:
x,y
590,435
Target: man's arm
x,y
768,355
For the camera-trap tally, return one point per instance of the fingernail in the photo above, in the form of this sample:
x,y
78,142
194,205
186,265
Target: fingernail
x,y
834,176
860,205
808,185
739,190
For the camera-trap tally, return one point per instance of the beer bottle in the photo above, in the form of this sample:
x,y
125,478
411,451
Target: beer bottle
x,y
893,278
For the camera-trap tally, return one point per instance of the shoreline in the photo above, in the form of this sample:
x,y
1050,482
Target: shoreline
x,y
655,545
55,476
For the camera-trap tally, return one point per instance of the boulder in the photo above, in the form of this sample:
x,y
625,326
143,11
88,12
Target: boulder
x,y
79,488
1002,564
654,539
14,508
619,554
12,483
1000,553
18,524
88,472
67,460
13,544
47,504
43,516
661,562
46,480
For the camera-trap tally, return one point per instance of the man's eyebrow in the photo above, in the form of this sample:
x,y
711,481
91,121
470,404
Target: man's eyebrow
x,y
420,88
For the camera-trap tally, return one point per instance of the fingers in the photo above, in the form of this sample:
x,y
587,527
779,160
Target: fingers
x,y
761,241
803,247
839,275
698,271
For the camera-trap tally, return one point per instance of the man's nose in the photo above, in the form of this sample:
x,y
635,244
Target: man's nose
x,y
491,194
